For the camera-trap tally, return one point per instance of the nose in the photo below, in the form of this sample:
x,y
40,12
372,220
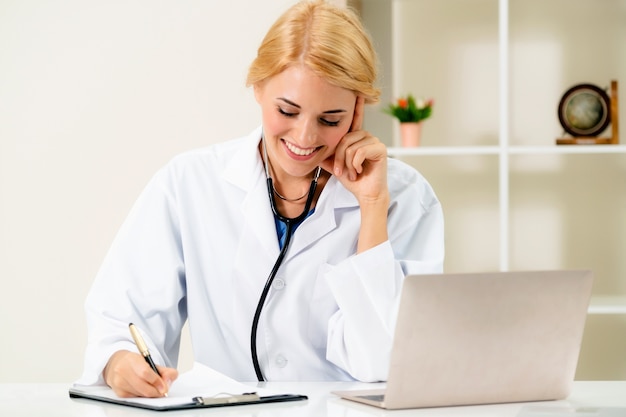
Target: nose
x,y
306,132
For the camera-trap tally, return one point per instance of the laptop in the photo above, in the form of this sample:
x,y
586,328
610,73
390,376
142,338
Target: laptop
x,y
484,338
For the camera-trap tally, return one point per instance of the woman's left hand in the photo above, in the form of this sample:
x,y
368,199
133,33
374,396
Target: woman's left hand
x,y
360,161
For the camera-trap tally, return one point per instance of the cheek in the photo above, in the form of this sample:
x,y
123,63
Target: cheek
x,y
334,136
274,123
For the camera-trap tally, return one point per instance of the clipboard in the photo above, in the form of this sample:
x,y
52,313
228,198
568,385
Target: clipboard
x,y
201,387
155,404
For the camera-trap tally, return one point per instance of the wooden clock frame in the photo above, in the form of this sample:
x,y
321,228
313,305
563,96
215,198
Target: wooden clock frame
x,y
591,140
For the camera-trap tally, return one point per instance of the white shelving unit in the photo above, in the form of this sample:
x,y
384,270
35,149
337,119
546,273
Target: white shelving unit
x,y
501,35
600,304
512,150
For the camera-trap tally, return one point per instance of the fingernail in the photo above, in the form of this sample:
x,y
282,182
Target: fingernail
x,y
169,384
337,171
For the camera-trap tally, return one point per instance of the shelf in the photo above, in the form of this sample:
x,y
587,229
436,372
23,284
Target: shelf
x,y
567,149
607,305
444,150
512,150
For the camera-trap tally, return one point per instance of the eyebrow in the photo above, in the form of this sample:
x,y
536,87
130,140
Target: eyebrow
x,y
291,103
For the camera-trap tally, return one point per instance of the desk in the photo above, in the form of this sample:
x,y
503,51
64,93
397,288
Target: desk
x,y
52,400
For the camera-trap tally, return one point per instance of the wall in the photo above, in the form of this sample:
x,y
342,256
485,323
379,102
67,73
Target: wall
x,y
95,96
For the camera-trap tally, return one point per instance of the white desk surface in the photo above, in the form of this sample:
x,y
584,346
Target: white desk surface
x,y
52,400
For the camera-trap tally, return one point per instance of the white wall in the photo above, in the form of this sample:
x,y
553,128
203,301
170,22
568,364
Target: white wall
x,y
95,96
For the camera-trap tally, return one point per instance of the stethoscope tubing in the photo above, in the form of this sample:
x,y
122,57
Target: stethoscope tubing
x,y
290,227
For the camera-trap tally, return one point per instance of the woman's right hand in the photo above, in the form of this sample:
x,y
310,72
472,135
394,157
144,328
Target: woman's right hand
x,y
129,375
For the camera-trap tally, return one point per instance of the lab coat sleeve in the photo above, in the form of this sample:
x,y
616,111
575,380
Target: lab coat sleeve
x,y
142,281
367,290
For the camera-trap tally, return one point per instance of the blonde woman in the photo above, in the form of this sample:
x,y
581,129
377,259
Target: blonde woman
x,y
286,249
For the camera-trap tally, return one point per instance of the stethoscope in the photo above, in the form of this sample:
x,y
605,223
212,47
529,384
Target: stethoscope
x,y
290,224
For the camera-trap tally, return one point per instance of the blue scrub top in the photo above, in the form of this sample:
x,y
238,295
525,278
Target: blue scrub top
x,y
281,228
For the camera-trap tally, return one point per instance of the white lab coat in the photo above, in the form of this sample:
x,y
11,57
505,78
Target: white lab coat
x,y
200,242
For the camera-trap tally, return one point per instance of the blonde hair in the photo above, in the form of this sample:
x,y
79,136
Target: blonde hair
x,y
327,39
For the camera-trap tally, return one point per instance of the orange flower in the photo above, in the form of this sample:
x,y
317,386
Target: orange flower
x,y
407,109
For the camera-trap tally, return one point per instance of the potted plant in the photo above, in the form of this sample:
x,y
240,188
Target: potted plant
x,y
411,113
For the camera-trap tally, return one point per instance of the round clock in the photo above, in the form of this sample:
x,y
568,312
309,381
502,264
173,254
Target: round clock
x,y
584,110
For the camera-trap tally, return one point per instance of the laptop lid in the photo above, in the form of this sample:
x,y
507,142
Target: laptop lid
x,y
484,338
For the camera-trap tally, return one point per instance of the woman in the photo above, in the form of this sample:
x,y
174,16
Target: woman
x,y
203,237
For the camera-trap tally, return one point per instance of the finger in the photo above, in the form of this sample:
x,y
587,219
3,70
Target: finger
x,y
342,155
357,119
160,381
357,123
129,384
358,152
345,151
135,386
359,156
128,374
375,152
142,381
339,159
169,375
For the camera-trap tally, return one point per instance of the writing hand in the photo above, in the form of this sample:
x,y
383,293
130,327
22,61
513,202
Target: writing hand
x,y
128,374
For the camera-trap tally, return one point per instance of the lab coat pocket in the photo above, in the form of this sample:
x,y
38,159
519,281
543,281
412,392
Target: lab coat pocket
x,y
322,306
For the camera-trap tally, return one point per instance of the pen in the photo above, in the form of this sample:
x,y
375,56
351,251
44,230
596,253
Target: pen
x,y
143,348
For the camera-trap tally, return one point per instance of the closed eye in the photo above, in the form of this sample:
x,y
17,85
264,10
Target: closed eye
x,y
329,123
325,122
286,114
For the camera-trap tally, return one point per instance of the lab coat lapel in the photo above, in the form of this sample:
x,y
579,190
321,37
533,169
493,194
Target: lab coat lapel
x,y
334,197
257,211
246,171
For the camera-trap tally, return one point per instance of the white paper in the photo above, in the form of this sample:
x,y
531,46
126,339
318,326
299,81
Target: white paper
x,y
200,381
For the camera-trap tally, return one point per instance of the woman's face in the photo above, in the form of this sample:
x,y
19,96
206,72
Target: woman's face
x,y
304,118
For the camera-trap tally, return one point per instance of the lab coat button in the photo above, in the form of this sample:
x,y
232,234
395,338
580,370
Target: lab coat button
x,y
279,284
281,361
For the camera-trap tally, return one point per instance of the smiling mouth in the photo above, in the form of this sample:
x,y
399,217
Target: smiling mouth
x,y
299,151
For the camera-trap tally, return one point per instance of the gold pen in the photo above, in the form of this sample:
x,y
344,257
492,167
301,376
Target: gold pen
x,y
143,348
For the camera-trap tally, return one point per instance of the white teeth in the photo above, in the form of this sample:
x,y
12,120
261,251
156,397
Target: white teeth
x,y
298,151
